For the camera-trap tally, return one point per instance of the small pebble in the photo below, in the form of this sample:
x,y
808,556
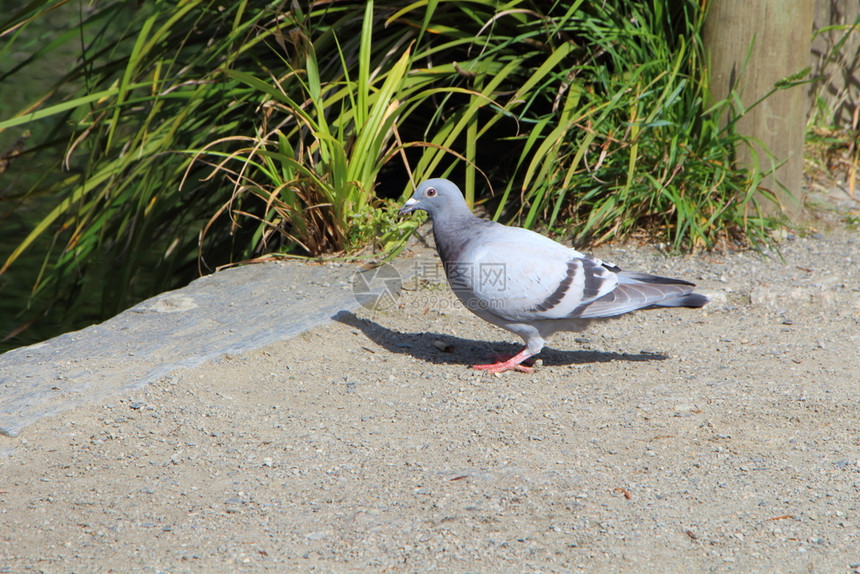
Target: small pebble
x,y
443,346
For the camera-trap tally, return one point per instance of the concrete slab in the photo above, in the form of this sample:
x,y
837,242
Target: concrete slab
x,y
231,311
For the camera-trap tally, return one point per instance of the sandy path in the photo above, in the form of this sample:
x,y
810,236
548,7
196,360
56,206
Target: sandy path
x,y
717,440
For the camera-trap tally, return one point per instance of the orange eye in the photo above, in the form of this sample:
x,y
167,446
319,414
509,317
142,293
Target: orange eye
x,y
431,192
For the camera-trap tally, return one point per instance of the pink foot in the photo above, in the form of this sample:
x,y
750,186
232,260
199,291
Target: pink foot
x,y
514,363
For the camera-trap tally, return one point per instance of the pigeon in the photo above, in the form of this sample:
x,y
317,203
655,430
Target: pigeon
x,y
529,284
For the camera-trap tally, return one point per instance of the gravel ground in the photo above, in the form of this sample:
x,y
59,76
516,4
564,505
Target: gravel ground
x,y
725,439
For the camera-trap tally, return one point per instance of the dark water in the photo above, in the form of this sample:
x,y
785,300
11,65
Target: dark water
x,y
30,164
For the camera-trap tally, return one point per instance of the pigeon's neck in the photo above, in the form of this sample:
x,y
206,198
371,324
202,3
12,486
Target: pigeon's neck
x,y
454,234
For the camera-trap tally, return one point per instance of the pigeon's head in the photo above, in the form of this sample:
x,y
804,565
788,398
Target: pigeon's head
x,y
438,197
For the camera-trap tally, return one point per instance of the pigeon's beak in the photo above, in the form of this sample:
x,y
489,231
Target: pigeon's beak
x,y
408,207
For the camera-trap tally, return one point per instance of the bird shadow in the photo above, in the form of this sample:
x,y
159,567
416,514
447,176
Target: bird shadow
x,y
460,351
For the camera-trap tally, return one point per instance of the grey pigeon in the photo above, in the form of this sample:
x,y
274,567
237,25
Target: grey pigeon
x,y
529,284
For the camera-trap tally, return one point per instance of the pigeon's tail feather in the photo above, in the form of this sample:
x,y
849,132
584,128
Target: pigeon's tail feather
x,y
633,277
694,300
628,297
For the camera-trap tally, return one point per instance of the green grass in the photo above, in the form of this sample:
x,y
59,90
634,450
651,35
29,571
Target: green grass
x,y
192,135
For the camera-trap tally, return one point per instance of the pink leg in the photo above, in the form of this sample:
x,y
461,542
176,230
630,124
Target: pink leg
x,y
514,363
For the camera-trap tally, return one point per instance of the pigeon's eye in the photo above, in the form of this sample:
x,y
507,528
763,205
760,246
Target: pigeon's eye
x,y
431,192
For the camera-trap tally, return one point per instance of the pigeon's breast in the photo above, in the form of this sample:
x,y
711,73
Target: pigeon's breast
x,y
469,276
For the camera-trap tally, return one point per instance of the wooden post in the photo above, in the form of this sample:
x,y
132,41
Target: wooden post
x,y
780,32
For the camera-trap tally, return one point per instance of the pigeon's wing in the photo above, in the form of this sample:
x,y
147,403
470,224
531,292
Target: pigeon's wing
x,y
519,275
